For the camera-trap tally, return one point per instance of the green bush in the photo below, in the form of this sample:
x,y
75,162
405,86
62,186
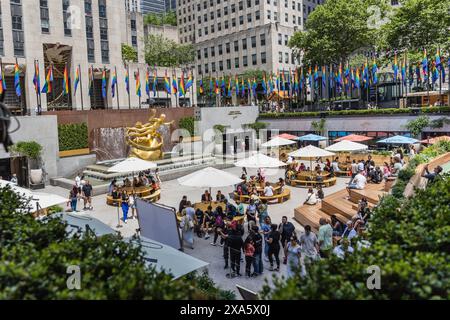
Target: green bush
x,y
73,136
30,149
409,243
35,254
352,112
187,123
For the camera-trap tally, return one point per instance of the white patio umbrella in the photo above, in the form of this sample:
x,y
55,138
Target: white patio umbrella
x,y
311,152
347,145
260,160
209,178
132,165
277,142
38,200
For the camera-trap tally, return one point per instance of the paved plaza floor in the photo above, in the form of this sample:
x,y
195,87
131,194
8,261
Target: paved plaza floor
x,y
171,195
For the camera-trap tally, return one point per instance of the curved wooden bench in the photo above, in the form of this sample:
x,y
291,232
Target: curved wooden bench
x,y
280,198
312,183
153,197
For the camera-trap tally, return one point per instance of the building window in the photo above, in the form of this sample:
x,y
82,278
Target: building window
x,y
206,68
205,18
212,15
262,39
228,64
199,69
244,44
253,42
45,22
199,19
280,57
293,5
227,47
225,11
213,52
241,20
66,20
263,58
205,53
17,28
236,46
286,39
280,39
199,32
249,3
256,2
219,27
286,57
249,18
241,5
199,54
220,49
286,17
236,62
233,8
225,24
221,65
286,3
254,60
2,48
245,61
213,66
206,31
269,14
212,28
134,41
219,13
233,22
257,15
294,20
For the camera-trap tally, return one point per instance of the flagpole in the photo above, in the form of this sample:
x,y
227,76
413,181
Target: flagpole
x,y
1,73
128,91
64,89
20,97
117,88
36,88
140,93
440,73
81,87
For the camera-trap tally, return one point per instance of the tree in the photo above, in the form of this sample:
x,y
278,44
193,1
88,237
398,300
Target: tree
x,y
417,125
35,254
334,31
319,126
129,54
418,24
164,52
159,19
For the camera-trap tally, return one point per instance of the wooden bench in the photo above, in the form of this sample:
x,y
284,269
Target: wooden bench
x,y
153,197
280,198
311,183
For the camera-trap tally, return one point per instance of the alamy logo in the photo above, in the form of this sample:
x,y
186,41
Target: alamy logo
x,y
74,280
374,280
74,17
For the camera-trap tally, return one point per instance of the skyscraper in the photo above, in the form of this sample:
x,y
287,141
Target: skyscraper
x,y
153,6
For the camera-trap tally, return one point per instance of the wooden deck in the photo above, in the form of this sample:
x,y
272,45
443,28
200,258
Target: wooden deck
x,y
339,205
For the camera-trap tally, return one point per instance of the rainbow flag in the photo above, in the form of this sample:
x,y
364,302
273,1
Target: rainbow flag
x,y
182,86
17,80
36,79
278,80
264,85
47,88
66,81
434,72
147,83
211,86
357,81
155,82
418,74
137,77
113,83
403,70
254,86
374,72
77,79
395,67
104,83
189,82
242,87
271,84
324,77
91,81
174,84
229,86
216,86
167,84
201,90
282,81
425,64
2,82
127,80
366,74
316,74
249,85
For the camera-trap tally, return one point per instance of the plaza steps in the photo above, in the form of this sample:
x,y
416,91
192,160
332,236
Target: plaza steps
x,y
338,204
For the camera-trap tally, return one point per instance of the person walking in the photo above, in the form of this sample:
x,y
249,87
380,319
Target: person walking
x,y
125,206
249,250
187,225
73,199
257,256
325,238
266,229
87,195
293,254
132,204
235,243
274,247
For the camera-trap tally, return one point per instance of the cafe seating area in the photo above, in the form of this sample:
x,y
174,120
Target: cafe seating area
x,y
146,193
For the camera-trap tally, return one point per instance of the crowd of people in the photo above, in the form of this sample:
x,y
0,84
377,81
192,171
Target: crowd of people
x,y
257,186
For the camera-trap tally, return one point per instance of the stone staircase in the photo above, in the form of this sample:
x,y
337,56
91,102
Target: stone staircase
x,y
338,204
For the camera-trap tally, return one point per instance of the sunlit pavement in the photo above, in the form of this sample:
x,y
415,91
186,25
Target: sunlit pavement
x,y
171,196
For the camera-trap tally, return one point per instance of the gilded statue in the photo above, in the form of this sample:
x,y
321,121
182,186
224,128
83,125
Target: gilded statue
x,y
144,139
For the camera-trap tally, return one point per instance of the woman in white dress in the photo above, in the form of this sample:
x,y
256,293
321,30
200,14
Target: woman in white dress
x,y
292,252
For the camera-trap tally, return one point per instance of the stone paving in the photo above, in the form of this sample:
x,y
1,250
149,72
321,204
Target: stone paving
x,y
171,196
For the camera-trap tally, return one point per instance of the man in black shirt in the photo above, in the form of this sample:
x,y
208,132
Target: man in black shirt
x,y
220,197
87,195
257,256
235,243
431,176
183,203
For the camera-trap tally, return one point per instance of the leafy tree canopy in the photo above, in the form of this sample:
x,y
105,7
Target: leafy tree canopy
x,y
164,52
159,19
129,54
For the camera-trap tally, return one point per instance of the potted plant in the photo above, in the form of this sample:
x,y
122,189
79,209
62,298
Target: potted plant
x,y
32,150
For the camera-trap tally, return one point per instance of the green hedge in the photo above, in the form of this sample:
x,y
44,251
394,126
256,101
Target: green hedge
x,y
73,136
271,115
188,124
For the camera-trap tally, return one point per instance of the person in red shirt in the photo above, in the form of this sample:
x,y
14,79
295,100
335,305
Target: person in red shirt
x,y
249,250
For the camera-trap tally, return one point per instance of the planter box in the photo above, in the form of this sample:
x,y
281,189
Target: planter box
x,y
76,152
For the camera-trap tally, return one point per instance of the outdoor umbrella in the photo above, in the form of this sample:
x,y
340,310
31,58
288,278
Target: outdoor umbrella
x,y
209,178
38,200
166,258
77,222
435,140
277,142
346,145
287,136
311,152
398,140
132,165
354,138
311,137
260,160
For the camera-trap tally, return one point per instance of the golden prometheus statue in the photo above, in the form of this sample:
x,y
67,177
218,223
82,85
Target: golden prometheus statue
x,y
144,139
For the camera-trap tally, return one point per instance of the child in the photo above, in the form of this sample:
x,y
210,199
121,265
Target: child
x,y
249,250
320,193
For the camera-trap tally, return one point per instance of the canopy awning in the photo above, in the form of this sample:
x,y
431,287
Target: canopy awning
x,y
346,145
311,137
311,152
209,178
354,138
398,140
